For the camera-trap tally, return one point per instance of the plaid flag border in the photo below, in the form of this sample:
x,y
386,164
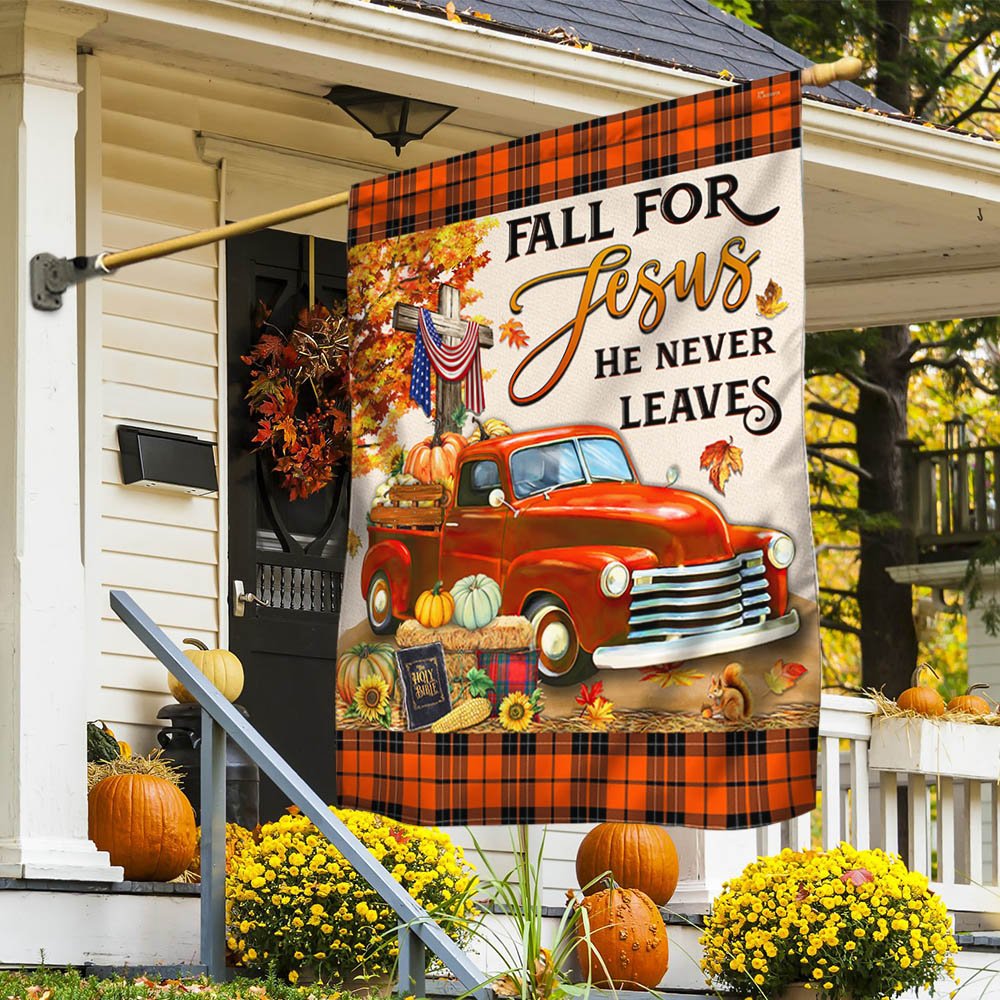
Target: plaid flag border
x,y
712,781
713,127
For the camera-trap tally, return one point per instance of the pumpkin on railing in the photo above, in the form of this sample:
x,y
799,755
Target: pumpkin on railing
x,y
919,698
971,704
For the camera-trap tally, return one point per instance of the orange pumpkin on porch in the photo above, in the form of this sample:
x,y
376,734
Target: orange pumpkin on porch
x,y
625,931
434,459
145,823
638,855
971,704
920,699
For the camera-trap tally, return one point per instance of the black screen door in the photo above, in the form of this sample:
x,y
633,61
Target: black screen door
x,y
288,553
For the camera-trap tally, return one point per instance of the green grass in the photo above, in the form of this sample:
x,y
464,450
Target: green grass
x,y
55,984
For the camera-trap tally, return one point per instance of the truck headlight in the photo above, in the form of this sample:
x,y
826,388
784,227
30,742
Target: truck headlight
x,y
781,551
615,579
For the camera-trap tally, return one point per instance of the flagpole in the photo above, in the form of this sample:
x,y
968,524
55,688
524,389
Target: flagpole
x,y
823,74
112,261
51,276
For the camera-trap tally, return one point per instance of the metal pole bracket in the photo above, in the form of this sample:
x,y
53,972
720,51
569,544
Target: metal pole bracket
x,y
51,276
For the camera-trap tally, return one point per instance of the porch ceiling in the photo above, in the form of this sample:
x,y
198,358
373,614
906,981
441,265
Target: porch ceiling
x,y
902,221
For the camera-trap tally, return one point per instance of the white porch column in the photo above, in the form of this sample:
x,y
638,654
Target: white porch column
x,y
43,802
707,859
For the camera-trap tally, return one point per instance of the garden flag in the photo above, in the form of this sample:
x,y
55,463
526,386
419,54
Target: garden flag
x,y
580,583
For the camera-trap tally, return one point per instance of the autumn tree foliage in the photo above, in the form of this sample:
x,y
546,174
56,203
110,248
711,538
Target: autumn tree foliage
x,y
407,269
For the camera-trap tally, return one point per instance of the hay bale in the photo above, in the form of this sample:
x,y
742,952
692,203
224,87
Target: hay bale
x,y
504,632
458,664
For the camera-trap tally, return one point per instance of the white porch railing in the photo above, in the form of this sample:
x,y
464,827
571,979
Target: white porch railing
x,y
943,826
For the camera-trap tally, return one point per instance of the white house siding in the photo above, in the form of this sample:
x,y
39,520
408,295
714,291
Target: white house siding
x,y
983,649
159,368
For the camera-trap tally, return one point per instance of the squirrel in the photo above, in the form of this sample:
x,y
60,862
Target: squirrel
x,y
729,695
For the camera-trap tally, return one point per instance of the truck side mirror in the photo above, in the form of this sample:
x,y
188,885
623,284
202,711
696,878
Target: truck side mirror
x,y
497,499
673,474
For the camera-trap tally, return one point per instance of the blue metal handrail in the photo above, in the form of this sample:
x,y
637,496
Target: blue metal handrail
x,y
417,929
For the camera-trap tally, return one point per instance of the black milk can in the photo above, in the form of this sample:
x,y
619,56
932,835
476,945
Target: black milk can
x,y
181,742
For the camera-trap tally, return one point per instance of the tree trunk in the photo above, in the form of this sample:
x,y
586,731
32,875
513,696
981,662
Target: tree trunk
x,y
888,638
892,43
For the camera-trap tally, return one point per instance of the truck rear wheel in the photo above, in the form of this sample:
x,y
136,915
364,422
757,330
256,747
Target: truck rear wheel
x,y
562,661
379,604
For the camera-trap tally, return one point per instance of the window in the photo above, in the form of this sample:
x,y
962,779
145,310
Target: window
x,y
545,467
476,481
605,460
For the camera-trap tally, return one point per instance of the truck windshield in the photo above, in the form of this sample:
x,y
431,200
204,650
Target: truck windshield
x,y
545,467
605,460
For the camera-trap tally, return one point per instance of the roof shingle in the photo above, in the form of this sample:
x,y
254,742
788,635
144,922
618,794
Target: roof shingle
x,y
691,33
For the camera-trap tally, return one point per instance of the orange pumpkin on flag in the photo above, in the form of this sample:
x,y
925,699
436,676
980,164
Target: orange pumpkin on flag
x,y
434,459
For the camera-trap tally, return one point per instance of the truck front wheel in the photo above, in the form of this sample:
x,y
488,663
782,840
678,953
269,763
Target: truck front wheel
x,y
562,661
379,604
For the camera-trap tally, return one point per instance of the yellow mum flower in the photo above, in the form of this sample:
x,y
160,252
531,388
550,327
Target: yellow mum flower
x,y
371,698
516,713
796,915
321,908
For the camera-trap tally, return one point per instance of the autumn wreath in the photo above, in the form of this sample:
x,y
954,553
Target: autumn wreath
x,y
299,395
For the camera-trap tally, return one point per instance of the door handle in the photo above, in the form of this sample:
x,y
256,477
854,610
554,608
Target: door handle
x,y
242,597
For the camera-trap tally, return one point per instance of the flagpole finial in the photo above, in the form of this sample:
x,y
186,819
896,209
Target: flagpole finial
x,y
823,74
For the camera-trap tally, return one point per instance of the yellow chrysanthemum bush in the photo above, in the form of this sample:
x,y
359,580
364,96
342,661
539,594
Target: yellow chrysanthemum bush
x,y
848,924
294,902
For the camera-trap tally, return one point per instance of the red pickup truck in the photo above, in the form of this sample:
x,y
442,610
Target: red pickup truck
x,y
611,573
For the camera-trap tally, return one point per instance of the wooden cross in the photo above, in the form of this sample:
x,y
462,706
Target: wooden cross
x,y
448,399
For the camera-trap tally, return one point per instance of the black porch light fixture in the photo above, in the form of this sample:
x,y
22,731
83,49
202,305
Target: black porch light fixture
x,y
394,119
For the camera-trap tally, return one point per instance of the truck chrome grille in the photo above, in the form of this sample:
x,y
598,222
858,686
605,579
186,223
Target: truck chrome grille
x,y
688,600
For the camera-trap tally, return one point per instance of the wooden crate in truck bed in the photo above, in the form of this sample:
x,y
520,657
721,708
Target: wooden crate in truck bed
x,y
430,515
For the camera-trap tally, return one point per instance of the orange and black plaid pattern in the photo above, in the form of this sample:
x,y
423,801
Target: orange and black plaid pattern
x,y
715,127
705,780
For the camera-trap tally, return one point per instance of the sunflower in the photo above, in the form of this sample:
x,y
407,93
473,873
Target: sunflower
x,y
371,698
599,713
516,712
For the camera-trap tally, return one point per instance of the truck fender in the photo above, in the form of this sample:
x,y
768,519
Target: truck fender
x,y
393,558
572,574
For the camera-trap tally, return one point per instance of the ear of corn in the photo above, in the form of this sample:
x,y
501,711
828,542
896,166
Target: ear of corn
x,y
469,713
